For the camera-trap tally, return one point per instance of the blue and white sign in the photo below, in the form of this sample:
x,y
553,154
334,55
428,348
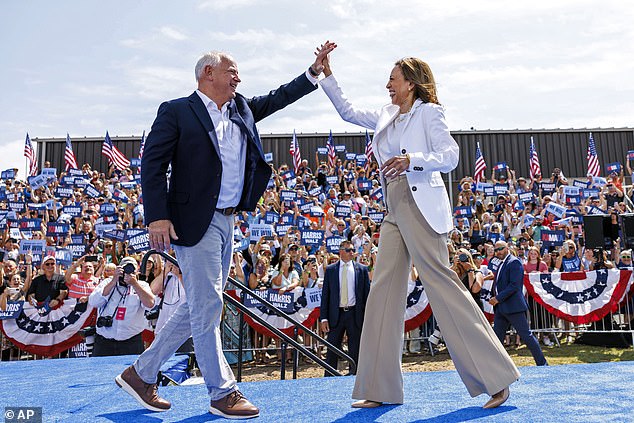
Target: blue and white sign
x,y
57,229
547,188
288,196
107,209
116,235
377,194
64,256
556,209
464,211
271,217
332,244
100,228
342,211
580,184
73,211
322,151
351,156
34,246
268,157
77,250
284,302
91,191
139,242
30,224
134,163
364,184
552,238
376,216
13,310
340,148
500,189
259,230
526,197
332,180
240,245
64,192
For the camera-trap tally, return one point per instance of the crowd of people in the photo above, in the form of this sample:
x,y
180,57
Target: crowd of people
x,y
342,201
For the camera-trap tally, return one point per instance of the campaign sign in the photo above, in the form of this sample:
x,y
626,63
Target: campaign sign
x,y
91,191
305,206
270,184
480,186
361,160
376,216
342,211
17,206
36,206
100,228
67,181
73,211
332,179
552,238
594,210
120,196
288,196
364,184
128,184
284,302
271,217
613,167
548,187
78,351
500,189
303,223
14,224
526,197
528,219
599,181
495,237
64,192
107,209
241,245
630,155
313,297
573,199
288,175
34,246
136,162
489,191
3,195
8,174
139,242
312,237
314,192
77,250
77,238
268,157
37,181
76,172
81,183
258,230
116,235
30,224
351,156
64,256
556,209
340,148
377,194
287,219
13,310
464,211
580,184
500,166
316,211
282,229
322,151
52,204
590,192
332,244
568,190
57,229
50,172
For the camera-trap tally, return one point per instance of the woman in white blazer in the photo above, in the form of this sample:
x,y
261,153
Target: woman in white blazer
x,y
413,146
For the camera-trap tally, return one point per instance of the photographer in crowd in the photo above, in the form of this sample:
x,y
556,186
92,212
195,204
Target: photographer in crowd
x,y
121,302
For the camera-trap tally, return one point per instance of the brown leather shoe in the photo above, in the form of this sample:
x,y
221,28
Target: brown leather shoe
x,y
234,406
498,399
144,393
366,404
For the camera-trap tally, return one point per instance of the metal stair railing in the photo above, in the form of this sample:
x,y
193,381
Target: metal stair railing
x,y
286,339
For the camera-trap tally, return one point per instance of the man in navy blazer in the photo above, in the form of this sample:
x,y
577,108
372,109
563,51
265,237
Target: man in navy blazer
x,y
509,303
217,168
342,312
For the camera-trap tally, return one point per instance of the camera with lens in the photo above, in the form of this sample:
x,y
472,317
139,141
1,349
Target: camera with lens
x,y
128,269
153,314
104,321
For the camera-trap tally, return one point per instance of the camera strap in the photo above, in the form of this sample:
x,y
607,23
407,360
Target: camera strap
x,y
121,298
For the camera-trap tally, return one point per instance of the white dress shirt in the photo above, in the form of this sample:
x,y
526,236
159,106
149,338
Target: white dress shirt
x,y
349,268
232,143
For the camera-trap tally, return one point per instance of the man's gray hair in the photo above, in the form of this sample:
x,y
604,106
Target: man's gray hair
x,y
213,59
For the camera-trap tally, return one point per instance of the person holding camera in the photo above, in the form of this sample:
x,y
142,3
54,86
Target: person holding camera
x,y
568,260
469,274
82,284
121,302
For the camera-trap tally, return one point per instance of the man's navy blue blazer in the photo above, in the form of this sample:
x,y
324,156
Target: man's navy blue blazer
x,y
509,283
183,134
330,294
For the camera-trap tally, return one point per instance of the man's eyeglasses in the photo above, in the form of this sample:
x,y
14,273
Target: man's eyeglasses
x,y
347,250
499,248
626,257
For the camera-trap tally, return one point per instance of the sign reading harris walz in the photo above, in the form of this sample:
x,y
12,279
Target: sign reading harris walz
x,y
284,302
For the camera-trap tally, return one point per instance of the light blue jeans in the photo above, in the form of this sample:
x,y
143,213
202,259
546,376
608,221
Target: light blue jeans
x,y
205,268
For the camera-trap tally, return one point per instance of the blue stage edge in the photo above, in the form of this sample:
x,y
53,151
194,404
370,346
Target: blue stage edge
x,y
83,390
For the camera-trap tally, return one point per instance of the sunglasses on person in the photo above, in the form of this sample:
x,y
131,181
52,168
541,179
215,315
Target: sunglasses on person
x,y
49,264
499,248
626,257
347,250
293,249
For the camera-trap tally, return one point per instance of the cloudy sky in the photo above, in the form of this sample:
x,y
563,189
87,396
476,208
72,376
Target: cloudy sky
x,y
84,67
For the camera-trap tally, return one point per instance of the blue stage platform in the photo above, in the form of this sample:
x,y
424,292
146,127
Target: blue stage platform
x,y
83,390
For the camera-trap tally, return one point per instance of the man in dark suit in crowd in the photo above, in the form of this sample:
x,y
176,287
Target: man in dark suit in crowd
x,y
509,303
218,167
343,297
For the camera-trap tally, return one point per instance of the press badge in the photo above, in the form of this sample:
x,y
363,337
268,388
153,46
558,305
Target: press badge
x,y
120,314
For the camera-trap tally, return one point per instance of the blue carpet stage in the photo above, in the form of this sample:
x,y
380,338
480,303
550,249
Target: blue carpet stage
x,y
83,390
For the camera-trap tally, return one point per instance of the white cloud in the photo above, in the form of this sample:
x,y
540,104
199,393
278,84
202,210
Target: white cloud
x,y
222,6
173,33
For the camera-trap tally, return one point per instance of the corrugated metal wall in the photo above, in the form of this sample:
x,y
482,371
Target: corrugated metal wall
x,y
565,149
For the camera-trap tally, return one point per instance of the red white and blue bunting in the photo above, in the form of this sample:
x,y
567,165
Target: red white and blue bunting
x,y
580,297
49,334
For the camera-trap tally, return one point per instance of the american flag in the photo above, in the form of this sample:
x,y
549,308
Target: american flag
x,y
69,156
332,154
536,169
294,150
593,161
29,153
142,148
480,165
368,149
114,155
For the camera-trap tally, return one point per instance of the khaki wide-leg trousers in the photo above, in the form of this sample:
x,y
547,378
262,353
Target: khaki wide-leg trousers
x,y
478,355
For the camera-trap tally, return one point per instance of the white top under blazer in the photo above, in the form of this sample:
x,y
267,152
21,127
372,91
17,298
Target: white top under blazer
x,y
425,137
